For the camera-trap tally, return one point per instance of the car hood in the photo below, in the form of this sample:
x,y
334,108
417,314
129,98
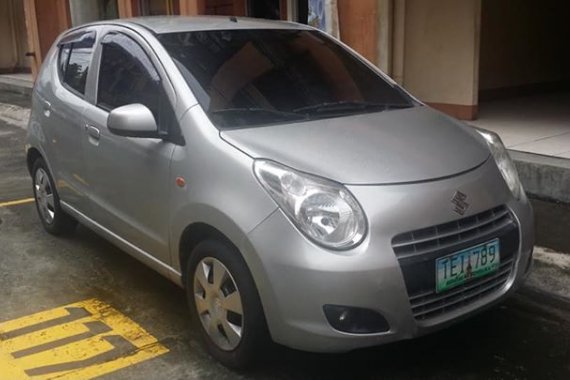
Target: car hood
x,y
399,146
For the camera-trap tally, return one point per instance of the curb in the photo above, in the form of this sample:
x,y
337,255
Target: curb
x,y
16,85
14,115
551,273
543,177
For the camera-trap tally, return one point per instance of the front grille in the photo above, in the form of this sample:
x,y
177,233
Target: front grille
x,y
417,251
431,304
436,238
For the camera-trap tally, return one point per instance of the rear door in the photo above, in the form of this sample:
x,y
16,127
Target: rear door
x,y
61,91
129,178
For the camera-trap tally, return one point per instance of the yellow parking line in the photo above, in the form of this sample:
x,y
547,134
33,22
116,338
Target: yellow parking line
x,y
83,340
16,202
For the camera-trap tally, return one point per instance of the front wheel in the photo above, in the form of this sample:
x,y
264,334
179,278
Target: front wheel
x,y
223,298
53,218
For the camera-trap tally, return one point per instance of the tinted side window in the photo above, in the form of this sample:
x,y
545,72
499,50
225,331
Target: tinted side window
x,y
63,59
74,61
127,75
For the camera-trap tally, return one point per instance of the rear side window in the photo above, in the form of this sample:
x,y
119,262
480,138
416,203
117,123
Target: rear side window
x,y
127,75
74,60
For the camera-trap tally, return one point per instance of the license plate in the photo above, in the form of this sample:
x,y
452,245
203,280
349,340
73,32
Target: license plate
x,y
459,267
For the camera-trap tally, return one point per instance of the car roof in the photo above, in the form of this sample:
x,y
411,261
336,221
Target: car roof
x,y
170,24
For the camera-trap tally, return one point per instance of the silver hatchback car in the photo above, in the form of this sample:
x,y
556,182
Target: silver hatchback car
x,y
295,191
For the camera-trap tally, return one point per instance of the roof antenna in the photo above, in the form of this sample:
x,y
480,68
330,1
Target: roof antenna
x,y
233,18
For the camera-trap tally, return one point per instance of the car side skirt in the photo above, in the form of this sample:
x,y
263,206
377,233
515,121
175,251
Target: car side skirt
x,y
139,254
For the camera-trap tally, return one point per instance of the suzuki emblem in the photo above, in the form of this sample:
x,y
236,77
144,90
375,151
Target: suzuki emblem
x,y
459,200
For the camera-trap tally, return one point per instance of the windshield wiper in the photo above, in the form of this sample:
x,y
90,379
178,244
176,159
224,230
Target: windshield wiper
x,y
350,106
267,111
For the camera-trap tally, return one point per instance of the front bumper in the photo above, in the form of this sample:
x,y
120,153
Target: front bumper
x,y
296,278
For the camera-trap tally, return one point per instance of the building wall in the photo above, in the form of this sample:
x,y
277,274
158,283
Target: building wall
x,y
13,39
524,42
84,11
441,48
220,7
359,26
53,17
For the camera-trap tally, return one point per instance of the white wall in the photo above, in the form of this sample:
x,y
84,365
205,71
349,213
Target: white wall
x,y
441,51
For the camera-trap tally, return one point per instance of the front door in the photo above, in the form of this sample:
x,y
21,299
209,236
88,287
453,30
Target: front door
x,y
129,177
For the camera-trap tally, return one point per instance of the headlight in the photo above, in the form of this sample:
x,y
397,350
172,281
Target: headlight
x,y
323,210
504,162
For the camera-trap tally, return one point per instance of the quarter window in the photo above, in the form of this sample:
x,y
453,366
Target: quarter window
x,y
74,60
127,75
63,59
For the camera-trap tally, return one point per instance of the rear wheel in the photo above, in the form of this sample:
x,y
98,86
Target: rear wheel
x,y
53,218
224,300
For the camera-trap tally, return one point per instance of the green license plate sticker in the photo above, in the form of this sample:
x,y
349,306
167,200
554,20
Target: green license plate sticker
x,y
459,267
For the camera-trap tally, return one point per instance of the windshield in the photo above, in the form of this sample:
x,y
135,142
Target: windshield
x,y
248,78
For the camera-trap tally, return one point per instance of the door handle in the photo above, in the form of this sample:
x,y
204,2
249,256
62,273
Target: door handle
x,y
47,108
93,132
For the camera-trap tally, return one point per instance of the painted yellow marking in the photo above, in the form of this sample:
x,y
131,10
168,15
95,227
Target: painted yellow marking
x,y
84,349
122,362
9,369
32,319
45,336
17,202
83,340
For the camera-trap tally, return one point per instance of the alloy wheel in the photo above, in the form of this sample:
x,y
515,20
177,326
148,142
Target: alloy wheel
x,y
44,195
218,303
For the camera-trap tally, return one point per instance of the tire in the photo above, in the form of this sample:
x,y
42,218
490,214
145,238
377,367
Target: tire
x,y
53,218
207,261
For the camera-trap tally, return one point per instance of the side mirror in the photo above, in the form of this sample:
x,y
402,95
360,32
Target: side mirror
x,y
133,120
